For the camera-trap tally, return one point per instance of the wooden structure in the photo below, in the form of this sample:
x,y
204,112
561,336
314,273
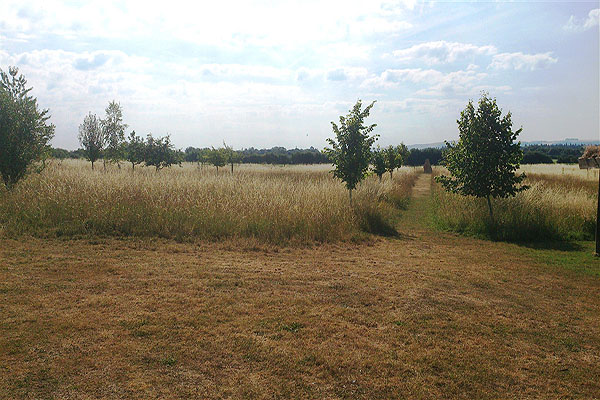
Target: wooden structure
x,y
427,167
589,161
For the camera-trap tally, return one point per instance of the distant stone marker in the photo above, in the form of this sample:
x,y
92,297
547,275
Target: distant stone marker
x,y
427,166
591,159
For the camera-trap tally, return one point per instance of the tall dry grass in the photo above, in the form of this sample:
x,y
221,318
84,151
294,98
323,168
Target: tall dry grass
x,y
270,203
556,207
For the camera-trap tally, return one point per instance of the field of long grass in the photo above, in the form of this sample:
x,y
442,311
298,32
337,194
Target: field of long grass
x,y
269,203
559,205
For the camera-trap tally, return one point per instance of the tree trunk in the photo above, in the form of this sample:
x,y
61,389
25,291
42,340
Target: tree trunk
x,y
380,176
231,168
490,208
133,166
92,165
350,195
391,174
217,168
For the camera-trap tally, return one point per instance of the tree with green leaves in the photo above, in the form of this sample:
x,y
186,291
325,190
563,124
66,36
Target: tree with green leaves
x,y
113,130
160,152
394,157
91,138
204,156
218,158
135,150
378,160
24,131
484,160
231,156
350,151
403,154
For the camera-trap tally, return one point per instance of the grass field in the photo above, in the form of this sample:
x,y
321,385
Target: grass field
x,y
270,204
559,205
425,314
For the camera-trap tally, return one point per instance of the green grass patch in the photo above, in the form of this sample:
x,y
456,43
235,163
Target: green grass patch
x,y
573,256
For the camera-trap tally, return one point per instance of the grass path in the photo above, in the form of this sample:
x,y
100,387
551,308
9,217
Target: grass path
x,y
415,217
426,316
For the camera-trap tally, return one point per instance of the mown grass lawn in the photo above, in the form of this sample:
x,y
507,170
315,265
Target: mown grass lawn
x,y
424,316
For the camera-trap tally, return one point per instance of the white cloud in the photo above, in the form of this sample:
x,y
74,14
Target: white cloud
x,y
441,52
575,25
436,82
71,84
346,73
520,61
420,105
225,23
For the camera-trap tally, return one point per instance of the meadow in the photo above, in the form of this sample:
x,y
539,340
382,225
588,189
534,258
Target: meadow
x,y
560,205
107,309
270,204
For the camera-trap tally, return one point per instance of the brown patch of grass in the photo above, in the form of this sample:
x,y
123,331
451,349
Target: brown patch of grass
x,y
440,316
565,182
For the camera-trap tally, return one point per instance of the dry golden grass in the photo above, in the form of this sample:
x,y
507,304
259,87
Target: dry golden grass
x,y
566,182
428,316
556,206
271,204
560,169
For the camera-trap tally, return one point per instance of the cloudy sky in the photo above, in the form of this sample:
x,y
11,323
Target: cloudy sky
x,y
267,73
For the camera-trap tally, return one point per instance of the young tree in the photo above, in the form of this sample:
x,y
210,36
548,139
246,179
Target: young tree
x,y
484,160
350,151
191,154
218,158
24,132
91,138
113,129
204,156
394,157
403,154
160,152
231,156
135,150
379,166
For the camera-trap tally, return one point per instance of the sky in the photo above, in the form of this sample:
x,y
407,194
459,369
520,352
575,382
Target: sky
x,y
276,73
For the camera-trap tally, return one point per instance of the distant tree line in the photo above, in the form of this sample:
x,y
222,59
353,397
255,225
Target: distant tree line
x,y
532,154
547,153
274,155
417,157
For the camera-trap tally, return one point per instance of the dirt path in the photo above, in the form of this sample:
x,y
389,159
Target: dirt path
x,y
429,315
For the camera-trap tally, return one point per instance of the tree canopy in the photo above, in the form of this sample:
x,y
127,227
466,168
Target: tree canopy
x,y
378,161
91,138
160,153
484,160
113,130
24,129
350,150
